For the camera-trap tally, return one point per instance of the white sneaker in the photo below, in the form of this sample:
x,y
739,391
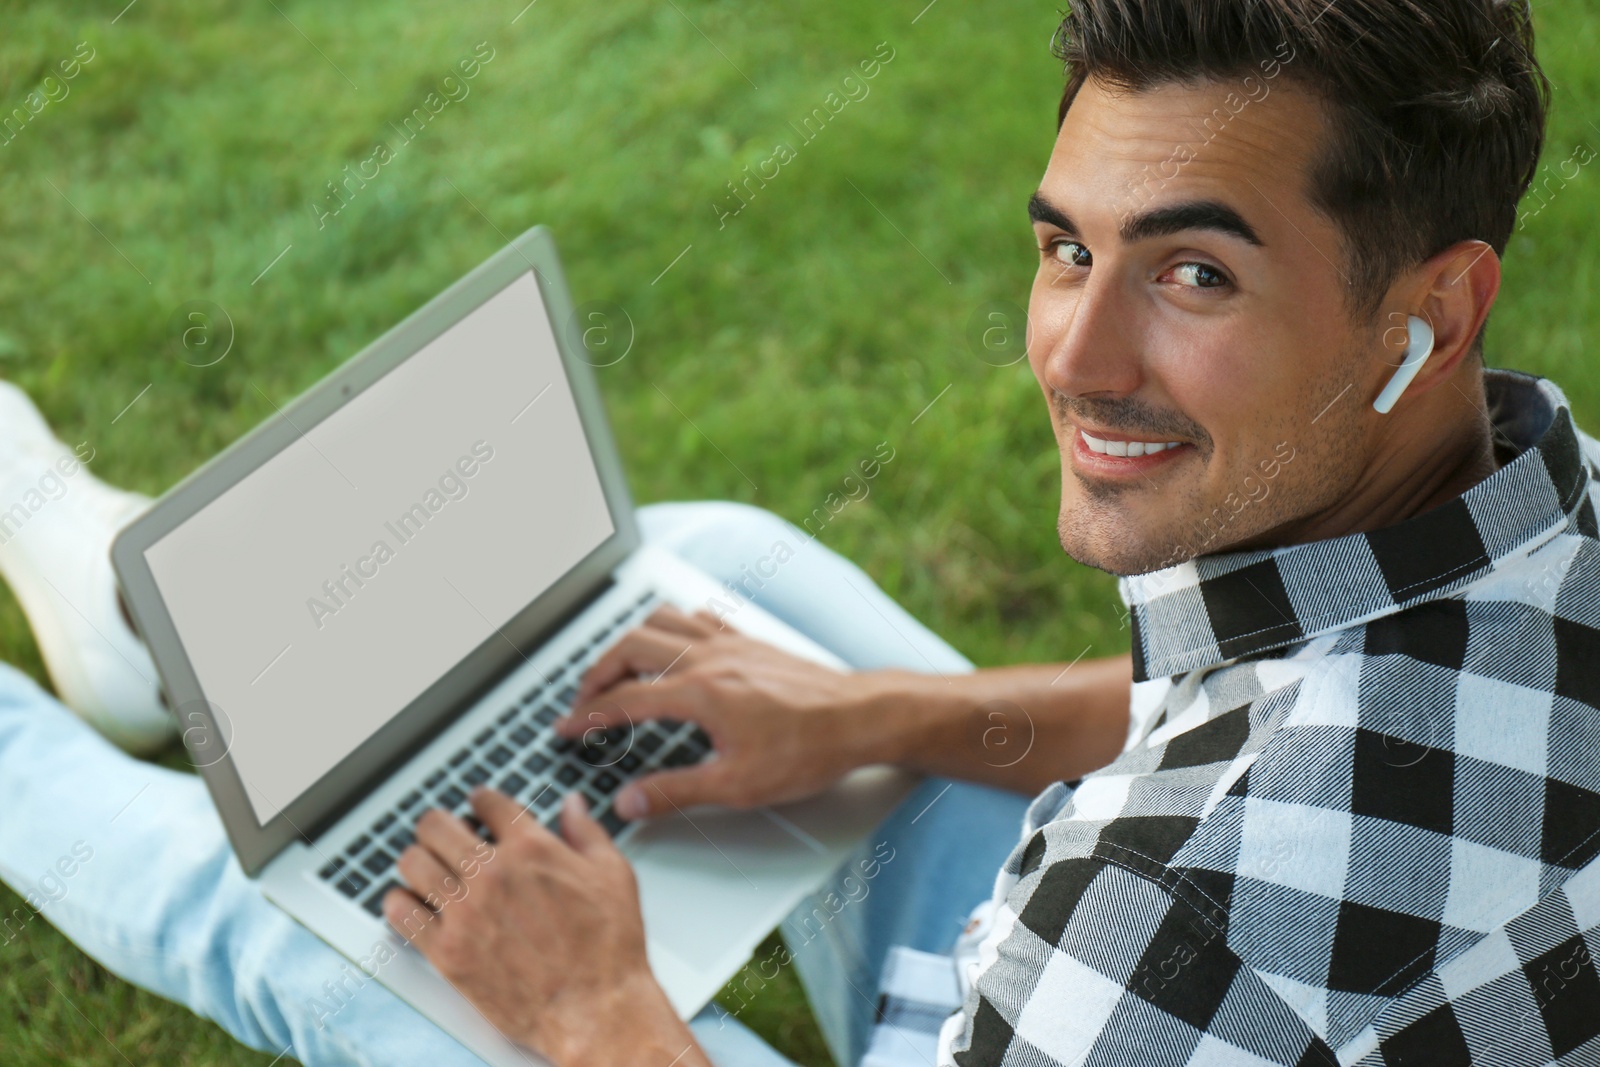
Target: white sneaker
x,y
56,525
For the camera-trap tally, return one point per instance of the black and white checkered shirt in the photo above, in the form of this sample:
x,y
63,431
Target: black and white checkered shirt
x,y
1356,817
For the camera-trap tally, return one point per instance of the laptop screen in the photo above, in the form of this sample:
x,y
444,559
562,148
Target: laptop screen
x,y
334,584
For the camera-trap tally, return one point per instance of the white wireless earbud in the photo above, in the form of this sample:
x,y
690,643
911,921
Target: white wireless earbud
x,y
1418,350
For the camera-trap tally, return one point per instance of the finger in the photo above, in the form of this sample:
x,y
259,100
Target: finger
x,y
713,622
626,704
580,829
429,879
664,792
498,812
411,918
449,839
646,650
672,619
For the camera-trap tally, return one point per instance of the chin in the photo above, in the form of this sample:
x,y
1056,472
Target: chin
x,y
1109,545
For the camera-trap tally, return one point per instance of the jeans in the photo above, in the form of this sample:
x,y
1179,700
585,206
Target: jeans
x,y
130,862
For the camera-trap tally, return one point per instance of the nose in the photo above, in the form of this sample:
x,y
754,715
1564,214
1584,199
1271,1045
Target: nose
x,y
1086,336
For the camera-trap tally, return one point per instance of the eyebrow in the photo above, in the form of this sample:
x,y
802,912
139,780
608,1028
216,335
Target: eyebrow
x,y
1160,222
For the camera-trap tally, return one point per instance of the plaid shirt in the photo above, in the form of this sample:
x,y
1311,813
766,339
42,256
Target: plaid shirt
x,y
1355,820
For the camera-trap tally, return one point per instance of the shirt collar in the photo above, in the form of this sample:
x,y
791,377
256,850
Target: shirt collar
x,y
1235,604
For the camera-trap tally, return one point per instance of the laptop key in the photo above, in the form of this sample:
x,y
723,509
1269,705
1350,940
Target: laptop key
x,y
507,715
460,757
547,797
333,868
522,735
378,862
400,840
357,845
410,800
564,698
612,822
605,782
451,798
433,780
680,756
483,737
595,755
649,741
536,762
474,775
500,755
351,884
384,823
568,774
629,762
512,784
546,715
562,744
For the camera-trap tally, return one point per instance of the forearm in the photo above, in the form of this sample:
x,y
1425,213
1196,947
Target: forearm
x,y
1017,728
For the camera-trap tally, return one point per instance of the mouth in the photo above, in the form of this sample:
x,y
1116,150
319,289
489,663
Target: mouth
x,y
1114,455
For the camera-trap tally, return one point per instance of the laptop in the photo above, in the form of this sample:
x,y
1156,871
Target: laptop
x,y
385,594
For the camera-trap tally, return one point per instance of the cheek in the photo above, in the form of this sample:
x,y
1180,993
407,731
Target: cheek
x,y
1228,383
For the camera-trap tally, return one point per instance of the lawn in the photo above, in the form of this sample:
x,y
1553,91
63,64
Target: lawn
x,y
779,336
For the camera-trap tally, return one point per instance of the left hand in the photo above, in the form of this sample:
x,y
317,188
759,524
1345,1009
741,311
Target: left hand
x,y
544,936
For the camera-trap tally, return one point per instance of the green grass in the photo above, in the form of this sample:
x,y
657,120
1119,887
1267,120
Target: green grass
x,y
820,321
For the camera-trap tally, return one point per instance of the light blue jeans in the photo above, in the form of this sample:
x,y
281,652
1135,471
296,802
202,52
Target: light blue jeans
x,y
129,860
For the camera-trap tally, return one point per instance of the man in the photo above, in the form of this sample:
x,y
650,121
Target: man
x,y
1357,799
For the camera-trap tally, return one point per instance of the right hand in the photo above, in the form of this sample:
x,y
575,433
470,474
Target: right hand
x,y
782,726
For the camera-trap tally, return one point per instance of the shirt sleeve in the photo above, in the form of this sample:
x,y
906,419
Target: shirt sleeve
x,y
1096,963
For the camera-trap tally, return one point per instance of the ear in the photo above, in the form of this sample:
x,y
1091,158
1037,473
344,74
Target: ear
x,y
1454,292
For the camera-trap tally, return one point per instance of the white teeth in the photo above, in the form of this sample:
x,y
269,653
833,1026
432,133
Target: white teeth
x,y
1127,448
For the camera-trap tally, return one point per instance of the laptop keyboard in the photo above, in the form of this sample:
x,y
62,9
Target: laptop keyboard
x,y
520,755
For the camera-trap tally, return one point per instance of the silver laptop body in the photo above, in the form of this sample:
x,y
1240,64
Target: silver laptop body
x,y
384,594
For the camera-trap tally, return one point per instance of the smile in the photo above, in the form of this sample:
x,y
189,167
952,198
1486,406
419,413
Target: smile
x,y
1107,447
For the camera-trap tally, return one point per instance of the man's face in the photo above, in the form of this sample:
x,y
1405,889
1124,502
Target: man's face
x,y
1194,312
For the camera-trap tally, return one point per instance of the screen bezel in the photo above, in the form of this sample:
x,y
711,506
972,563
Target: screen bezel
x,y
349,780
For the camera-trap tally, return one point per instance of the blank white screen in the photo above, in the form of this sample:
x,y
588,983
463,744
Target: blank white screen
x,y
303,686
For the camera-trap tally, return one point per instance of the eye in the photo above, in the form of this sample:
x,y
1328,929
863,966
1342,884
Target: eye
x,y
1200,276
1070,253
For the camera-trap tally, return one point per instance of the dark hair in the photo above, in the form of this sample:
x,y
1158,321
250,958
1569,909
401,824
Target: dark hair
x,y
1436,107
